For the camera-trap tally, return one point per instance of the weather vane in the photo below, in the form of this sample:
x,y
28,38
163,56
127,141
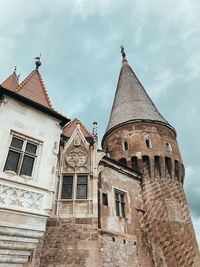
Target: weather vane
x,y
38,62
122,52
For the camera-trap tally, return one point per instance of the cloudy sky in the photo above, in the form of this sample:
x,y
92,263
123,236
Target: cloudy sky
x,y
80,45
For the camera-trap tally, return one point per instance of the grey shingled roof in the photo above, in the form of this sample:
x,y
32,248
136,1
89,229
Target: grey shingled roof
x,y
131,101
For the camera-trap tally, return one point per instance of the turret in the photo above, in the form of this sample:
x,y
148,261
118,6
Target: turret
x,y
137,134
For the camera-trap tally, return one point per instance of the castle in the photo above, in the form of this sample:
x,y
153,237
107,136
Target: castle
x,y
65,202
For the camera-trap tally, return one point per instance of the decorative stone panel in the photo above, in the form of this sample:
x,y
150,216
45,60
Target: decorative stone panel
x,y
20,198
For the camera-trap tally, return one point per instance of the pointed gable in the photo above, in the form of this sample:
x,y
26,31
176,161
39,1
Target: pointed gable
x,y
70,128
11,82
131,101
33,88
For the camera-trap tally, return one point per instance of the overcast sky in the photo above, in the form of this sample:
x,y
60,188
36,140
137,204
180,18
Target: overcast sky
x,y
80,45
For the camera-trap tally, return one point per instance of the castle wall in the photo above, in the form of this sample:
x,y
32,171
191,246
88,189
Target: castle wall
x,y
122,237
117,252
169,225
69,242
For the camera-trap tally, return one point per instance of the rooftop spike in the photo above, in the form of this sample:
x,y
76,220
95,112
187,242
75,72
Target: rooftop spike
x,y
38,62
123,53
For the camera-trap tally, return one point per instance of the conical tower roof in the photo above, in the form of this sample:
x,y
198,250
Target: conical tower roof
x,y
131,102
11,82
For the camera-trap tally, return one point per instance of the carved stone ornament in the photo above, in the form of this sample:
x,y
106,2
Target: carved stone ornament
x,y
77,140
16,197
76,157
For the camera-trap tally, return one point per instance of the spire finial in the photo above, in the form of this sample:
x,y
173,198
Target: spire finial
x,y
38,62
15,69
122,52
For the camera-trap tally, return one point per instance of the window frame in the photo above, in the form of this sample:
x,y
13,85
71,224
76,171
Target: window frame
x,y
75,186
22,154
120,202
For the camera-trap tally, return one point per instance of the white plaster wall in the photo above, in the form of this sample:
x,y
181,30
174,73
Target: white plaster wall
x,y
30,122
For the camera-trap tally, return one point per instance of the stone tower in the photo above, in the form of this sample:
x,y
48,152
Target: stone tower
x,y
139,137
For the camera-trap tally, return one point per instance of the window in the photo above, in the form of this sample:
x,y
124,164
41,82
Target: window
x,y
70,191
168,147
125,145
105,199
82,187
21,156
147,141
67,187
120,203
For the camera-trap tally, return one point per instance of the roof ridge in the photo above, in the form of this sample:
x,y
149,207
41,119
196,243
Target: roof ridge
x,y
67,127
45,91
8,79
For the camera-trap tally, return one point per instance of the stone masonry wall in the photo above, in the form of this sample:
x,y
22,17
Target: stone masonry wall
x,y
117,252
70,243
169,226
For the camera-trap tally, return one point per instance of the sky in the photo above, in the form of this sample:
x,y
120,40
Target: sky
x,y
80,45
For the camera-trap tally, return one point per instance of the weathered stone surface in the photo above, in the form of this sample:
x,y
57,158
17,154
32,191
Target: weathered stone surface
x,y
68,244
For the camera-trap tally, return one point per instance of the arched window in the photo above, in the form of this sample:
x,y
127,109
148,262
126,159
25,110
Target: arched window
x,y
168,147
134,163
147,142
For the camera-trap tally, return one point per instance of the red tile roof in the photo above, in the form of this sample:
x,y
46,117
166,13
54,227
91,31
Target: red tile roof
x,y
11,82
33,88
69,129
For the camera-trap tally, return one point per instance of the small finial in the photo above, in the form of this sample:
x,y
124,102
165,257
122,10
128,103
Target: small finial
x,y
94,133
15,68
122,52
38,62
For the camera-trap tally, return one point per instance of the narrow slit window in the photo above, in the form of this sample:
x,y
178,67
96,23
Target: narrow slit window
x,y
105,199
147,141
125,145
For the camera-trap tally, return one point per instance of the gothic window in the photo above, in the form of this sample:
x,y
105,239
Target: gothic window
x,y
105,199
125,145
82,182
123,161
120,203
21,156
67,187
